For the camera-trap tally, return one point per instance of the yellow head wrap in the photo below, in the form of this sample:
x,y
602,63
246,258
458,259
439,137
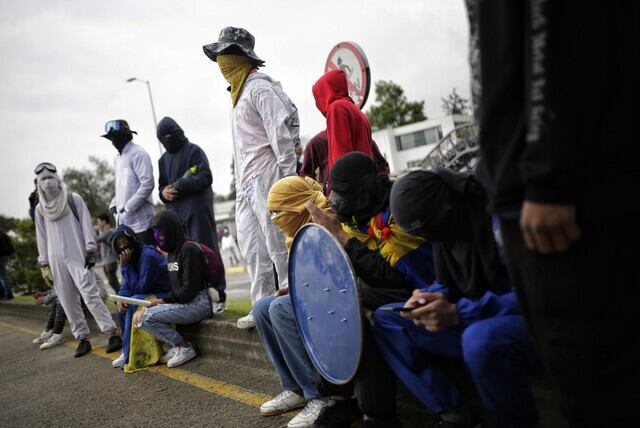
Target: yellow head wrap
x,y
235,69
286,201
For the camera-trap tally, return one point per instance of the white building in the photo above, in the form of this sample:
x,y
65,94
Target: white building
x,y
406,146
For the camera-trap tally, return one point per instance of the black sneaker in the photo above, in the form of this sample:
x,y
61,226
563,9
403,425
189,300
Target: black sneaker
x,y
115,344
84,347
341,415
381,423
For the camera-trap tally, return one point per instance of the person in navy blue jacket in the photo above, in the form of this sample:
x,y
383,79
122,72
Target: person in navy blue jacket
x,y
185,183
469,314
144,272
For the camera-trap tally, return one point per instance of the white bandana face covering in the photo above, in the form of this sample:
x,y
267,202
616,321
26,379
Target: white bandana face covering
x,y
53,195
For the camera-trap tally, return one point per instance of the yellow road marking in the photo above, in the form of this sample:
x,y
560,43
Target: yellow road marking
x,y
223,389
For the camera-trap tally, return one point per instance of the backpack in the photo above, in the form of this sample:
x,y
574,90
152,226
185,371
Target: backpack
x,y
214,268
72,205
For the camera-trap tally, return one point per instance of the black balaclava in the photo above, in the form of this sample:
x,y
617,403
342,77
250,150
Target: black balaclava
x,y
171,135
169,224
357,191
448,209
119,139
133,243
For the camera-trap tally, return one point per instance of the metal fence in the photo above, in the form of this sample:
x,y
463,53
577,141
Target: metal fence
x,y
457,150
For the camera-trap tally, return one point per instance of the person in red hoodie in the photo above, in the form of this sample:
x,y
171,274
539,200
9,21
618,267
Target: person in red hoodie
x,y
348,129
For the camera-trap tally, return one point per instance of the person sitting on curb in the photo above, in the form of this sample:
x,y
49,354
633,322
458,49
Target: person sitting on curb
x,y
188,301
66,249
391,263
274,314
470,314
144,273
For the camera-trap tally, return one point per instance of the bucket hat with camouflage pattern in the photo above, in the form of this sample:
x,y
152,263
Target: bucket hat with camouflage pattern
x,y
233,36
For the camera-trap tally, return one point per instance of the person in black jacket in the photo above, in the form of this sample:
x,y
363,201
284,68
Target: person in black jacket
x,y
188,301
185,183
557,133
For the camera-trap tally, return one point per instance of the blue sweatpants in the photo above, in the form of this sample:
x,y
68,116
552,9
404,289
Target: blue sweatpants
x,y
497,352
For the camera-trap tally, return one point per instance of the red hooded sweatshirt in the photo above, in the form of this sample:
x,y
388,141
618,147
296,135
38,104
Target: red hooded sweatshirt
x,y
348,128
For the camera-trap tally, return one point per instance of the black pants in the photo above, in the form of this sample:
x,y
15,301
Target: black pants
x,y
110,270
57,318
581,310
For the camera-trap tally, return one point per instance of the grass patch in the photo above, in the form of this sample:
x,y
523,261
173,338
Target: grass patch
x,y
237,308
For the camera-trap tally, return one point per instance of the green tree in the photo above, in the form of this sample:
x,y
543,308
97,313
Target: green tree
x,y
23,266
392,107
455,104
96,184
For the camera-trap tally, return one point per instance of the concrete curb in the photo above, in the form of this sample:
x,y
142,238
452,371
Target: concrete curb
x,y
217,337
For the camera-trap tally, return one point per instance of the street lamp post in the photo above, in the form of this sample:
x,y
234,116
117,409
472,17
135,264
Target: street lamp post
x,y
153,109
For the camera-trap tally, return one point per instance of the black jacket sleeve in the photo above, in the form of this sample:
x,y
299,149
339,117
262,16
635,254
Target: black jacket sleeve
x,y
373,269
190,279
162,178
202,178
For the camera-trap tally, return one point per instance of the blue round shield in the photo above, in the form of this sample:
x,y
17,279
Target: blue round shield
x,y
325,300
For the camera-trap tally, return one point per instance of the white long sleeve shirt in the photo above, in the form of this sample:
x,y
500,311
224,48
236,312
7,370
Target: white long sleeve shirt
x,y
265,128
134,187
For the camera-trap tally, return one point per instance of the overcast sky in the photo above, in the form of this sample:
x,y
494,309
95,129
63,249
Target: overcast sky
x,y
64,66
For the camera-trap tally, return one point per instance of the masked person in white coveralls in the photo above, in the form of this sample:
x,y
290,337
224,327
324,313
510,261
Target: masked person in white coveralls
x,y
66,249
133,203
265,127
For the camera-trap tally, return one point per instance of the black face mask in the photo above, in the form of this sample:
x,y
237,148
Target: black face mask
x,y
170,144
357,208
119,140
173,142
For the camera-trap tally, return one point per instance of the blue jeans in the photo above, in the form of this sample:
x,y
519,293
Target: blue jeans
x,y
278,331
125,323
4,277
157,321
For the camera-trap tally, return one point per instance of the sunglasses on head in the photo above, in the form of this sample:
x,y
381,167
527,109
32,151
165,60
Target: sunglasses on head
x,y
45,165
113,125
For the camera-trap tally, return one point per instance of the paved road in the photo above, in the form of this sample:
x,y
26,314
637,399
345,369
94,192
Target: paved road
x,y
238,286
53,389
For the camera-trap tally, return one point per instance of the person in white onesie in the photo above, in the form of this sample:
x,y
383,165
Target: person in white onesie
x,y
66,248
265,127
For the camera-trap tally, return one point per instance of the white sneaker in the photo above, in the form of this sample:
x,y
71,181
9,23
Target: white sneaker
x,y
218,307
181,356
54,340
246,322
44,335
118,362
167,356
308,415
281,403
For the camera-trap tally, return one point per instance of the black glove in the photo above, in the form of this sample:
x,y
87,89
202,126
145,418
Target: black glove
x,y
89,260
113,211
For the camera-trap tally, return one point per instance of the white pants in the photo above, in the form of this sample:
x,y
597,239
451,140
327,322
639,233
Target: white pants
x,y
72,283
261,242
